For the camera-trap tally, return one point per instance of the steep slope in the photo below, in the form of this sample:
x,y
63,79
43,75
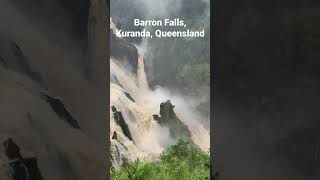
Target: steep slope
x,y
53,104
134,132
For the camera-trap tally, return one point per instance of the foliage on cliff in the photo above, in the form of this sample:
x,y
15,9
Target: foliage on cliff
x,y
179,161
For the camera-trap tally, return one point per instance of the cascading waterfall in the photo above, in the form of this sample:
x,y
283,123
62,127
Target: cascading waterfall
x,y
149,138
142,79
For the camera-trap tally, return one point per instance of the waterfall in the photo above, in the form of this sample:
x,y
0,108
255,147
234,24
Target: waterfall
x,y
131,96
141,74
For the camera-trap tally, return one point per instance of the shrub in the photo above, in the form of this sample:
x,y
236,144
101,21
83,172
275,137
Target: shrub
x,y
180,161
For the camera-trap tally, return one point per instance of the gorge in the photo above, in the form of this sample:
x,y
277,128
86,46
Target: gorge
x,y
131,95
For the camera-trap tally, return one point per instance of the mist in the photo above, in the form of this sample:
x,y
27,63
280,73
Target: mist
x,y
161,70
149,138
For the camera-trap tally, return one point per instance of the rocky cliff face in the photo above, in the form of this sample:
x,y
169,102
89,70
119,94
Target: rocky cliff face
x,y
135,132
123,50
19,167
168,118
45,128
98,45
52,104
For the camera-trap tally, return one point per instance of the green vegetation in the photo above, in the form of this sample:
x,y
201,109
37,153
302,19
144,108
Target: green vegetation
x,y
179,162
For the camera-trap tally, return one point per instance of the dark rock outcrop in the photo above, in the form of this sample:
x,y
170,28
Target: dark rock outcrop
x,y
13,58
24,65
129,96
123,50
115,136
168,118
22,168
121,122
59,108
